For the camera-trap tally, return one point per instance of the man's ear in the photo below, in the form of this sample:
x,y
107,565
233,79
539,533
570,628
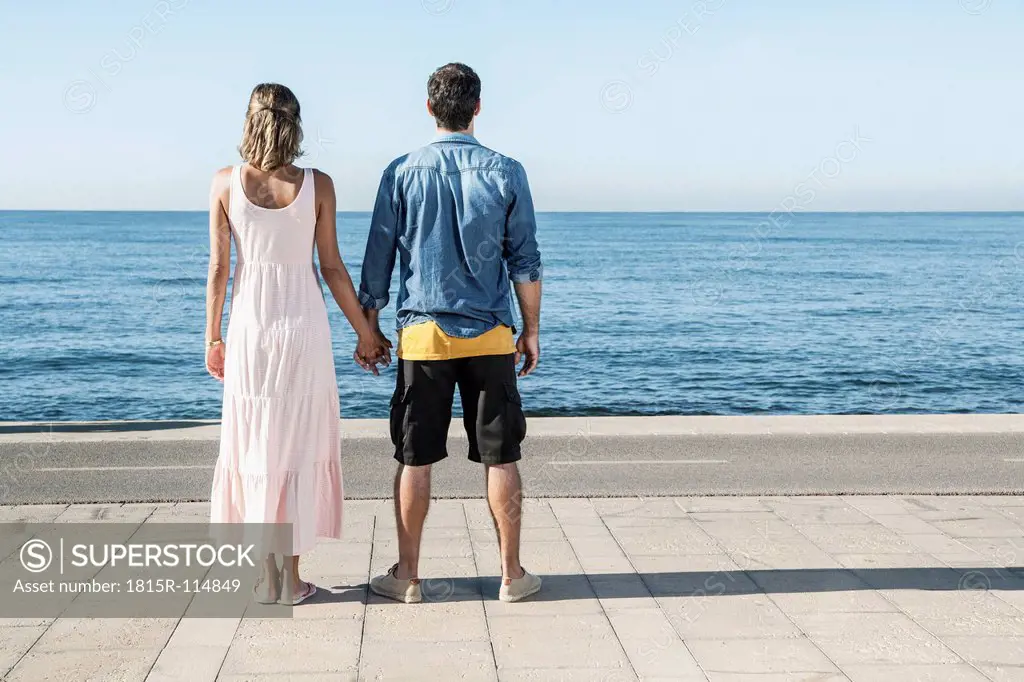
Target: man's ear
x,y
476,112
430,109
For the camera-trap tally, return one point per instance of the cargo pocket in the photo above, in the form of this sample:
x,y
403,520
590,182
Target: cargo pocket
x,y
515,420
399,413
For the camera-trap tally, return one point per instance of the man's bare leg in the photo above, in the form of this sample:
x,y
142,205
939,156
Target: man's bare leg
x,y
505,498
412,500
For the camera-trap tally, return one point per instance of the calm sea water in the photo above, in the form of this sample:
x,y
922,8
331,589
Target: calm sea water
x,y
102,315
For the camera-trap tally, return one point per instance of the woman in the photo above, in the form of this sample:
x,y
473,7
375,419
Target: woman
x,y
280,444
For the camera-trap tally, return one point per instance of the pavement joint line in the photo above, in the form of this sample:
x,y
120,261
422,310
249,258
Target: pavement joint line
x,y
227,650
366,600
639,461
476,568
163,647
159,467
604,611
30,648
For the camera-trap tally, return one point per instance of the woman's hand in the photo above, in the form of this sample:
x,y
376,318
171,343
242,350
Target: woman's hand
x,y
371,349
215,361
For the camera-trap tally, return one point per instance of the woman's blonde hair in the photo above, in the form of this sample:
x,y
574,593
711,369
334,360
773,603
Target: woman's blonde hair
x,y
273,128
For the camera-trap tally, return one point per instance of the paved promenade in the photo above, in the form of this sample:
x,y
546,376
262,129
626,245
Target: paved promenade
x,y
728,589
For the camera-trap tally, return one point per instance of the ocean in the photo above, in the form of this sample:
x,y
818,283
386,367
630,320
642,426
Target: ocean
x,y
102,315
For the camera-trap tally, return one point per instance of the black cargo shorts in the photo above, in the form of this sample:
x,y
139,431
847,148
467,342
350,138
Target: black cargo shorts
x,y
421,409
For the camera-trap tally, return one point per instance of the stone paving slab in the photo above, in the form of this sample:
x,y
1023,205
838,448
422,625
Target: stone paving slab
x,y
823,588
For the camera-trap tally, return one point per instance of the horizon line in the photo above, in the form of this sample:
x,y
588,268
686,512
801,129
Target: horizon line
x,y
566,211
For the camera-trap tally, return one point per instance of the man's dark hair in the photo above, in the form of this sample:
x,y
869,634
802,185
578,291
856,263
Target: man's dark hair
x,y
453,91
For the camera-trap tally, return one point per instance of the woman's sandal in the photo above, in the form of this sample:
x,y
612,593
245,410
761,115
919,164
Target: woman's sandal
x,y
308,591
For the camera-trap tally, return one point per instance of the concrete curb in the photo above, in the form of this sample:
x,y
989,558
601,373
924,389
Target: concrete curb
x,y
541,427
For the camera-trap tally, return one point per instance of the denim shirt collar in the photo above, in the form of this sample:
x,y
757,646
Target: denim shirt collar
x,y
454,137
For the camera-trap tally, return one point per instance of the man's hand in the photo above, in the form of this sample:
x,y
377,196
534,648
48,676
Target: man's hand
x,y
528,347
528,344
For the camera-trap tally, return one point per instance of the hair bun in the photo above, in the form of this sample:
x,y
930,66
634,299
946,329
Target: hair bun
x,y
276,110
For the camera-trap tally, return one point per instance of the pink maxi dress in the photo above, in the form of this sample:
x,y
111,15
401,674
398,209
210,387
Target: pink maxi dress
x,y
280,446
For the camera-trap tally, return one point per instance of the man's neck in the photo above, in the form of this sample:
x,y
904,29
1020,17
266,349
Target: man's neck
x,y
445,131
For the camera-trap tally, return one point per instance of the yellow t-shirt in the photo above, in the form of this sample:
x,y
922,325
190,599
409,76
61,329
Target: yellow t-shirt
x,y
426,341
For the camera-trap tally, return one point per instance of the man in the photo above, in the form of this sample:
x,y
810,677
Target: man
x,y
461,217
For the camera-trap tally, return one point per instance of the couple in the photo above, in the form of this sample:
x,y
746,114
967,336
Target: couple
x,y
460,219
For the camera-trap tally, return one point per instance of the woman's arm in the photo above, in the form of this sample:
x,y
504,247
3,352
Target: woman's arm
x,y
372,344
220,264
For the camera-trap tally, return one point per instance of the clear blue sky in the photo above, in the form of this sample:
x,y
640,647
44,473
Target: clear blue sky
x,y
610,105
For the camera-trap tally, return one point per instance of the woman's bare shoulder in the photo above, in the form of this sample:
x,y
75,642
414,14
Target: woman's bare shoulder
x,y
322,179
323,183
223,175
221,181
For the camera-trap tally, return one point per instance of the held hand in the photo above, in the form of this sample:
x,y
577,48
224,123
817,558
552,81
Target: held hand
x,y
368,366
215,361
373,349
385,347
528,348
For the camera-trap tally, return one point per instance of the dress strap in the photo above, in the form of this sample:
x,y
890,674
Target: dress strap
x,y
234,187
309,189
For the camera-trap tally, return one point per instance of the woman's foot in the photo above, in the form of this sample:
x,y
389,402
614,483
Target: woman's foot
x,y
267,589
295,592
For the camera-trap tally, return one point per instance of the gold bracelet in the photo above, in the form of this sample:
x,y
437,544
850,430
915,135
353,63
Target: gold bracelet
x,y
215,342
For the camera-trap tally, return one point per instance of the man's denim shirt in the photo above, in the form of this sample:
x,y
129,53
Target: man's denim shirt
x,y
461,218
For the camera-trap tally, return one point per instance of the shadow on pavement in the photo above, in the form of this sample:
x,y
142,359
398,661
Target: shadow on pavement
x,y
712,583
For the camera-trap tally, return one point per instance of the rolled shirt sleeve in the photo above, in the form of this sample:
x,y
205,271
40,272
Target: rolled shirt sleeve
x,y
520,249
381,246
